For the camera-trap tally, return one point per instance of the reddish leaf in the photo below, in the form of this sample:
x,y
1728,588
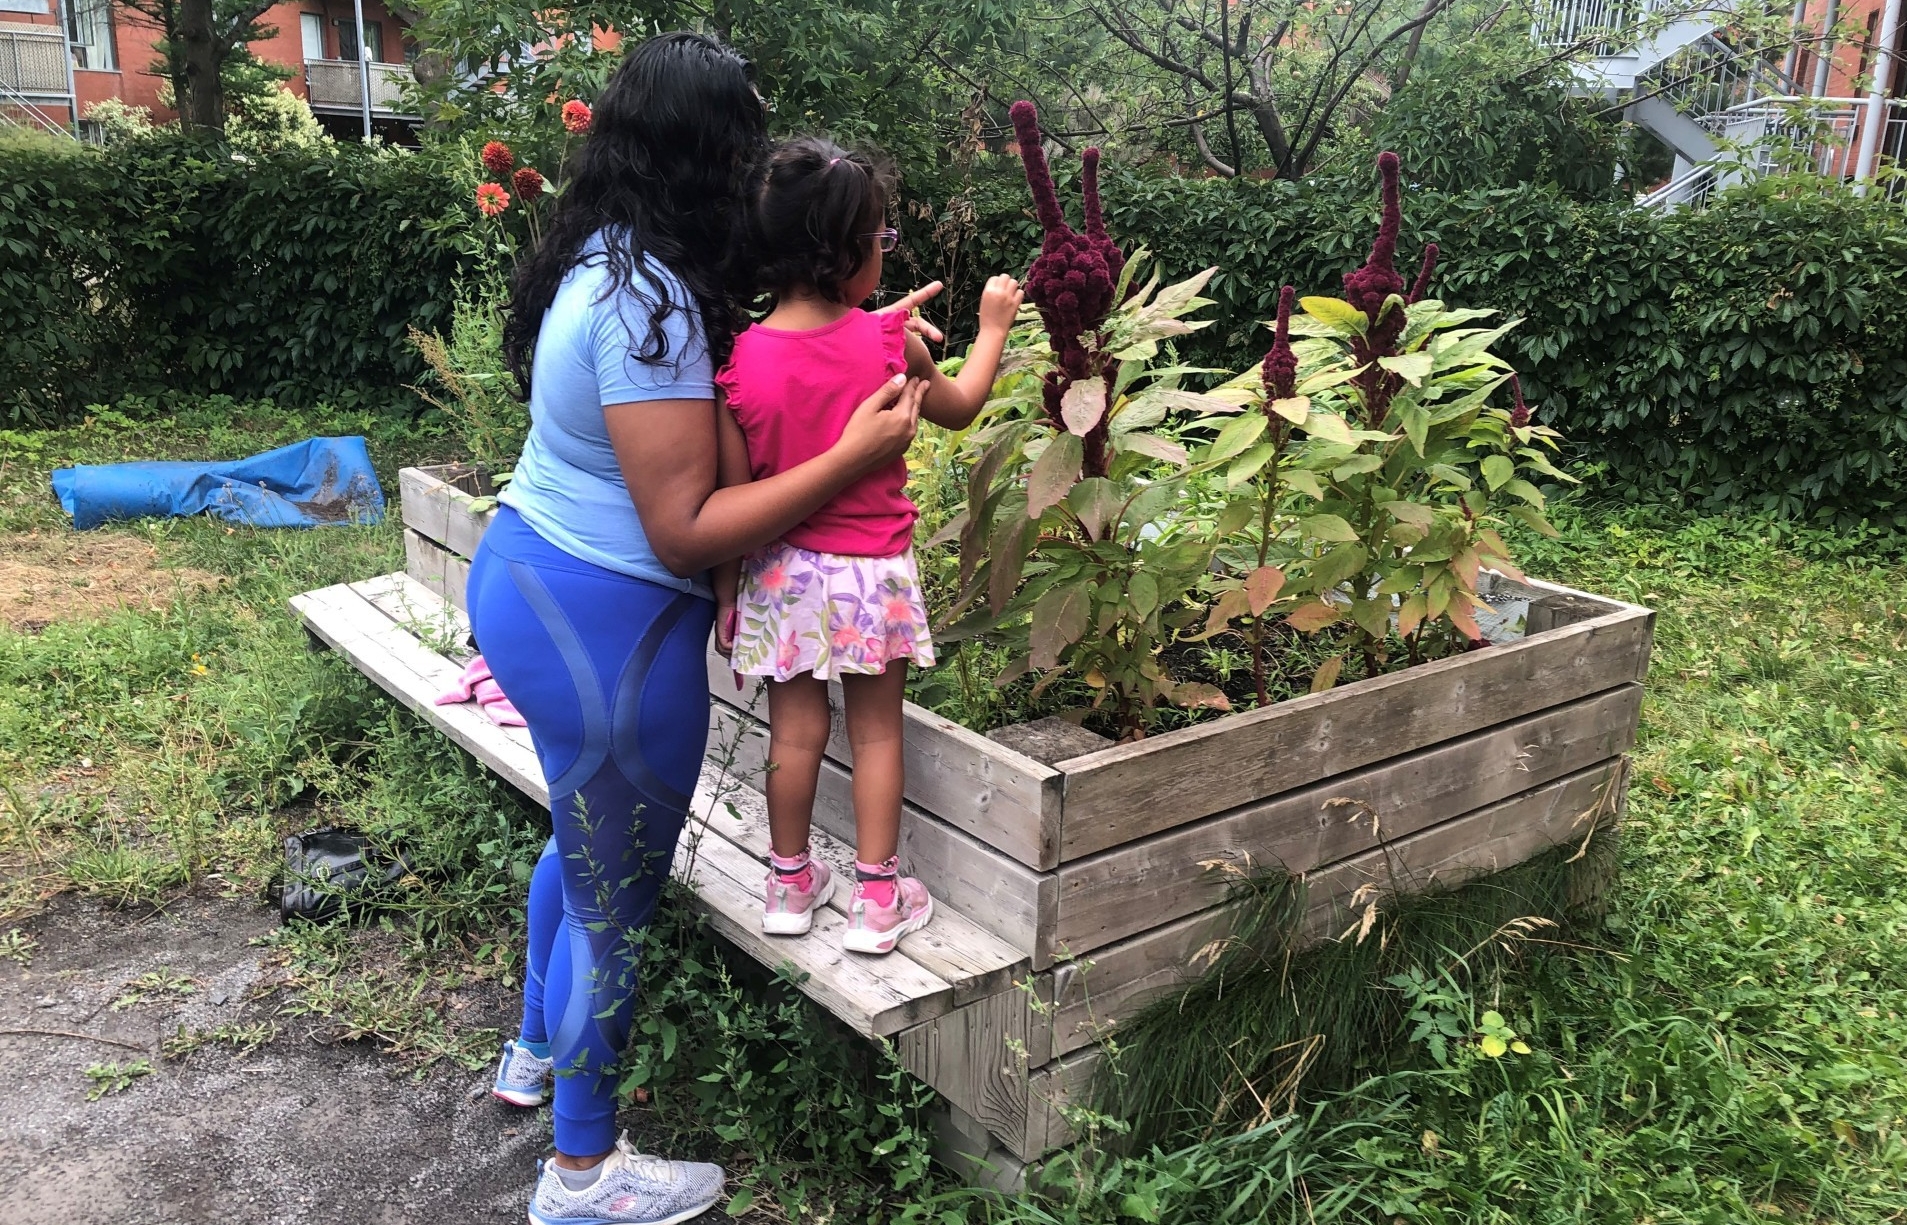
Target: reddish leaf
x,y
1312,617
1411,614
1083,405
1054,474
1197,694
1234,603
1464,565
1459,614
1262,586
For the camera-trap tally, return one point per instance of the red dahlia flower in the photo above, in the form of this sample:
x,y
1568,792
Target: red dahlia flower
x,y
528,184
491,199
576,116
498,159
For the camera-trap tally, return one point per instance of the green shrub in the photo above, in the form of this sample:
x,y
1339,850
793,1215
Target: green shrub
x,y
1753,354
168,262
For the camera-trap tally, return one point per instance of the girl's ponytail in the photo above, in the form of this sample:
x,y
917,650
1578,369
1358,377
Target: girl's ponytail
x,y
812,210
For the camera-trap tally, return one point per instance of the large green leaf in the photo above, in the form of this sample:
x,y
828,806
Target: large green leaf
x,y
1337,314
1059,620
1327,527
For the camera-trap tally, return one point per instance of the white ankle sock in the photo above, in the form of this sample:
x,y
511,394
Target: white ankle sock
x,y
578,1180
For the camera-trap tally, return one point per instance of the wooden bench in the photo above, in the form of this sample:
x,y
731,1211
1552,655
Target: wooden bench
x,y
402,635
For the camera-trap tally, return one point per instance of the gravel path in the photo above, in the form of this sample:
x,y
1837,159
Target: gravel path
x,y
296,1131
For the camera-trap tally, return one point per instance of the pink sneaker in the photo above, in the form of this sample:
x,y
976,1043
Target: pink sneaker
x,y
788,911
873,928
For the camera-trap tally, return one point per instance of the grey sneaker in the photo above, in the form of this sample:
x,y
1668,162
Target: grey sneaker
x,y
522,1078
632,1189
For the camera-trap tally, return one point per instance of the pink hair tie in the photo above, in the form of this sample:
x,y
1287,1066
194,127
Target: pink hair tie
x,y
835,162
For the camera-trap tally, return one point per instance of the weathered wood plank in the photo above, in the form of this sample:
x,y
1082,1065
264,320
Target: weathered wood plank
x,y
1115,982
416,676
465,527
996,892
974,961
975,1057
1121,794
1132,888
456,580
967,1149
1563,812
1094,993
424,560
1005,799
424,502
1060,1083
424,614
874,996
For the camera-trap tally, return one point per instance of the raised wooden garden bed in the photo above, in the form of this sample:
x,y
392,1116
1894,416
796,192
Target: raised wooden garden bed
x,y
1077,889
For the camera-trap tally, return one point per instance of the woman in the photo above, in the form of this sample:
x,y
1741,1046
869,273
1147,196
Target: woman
x,y
589,597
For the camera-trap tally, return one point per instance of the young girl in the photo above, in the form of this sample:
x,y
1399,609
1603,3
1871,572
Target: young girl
x,y
837,597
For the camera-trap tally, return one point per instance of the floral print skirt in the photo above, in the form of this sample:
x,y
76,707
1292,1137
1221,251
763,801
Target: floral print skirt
x,y
829,614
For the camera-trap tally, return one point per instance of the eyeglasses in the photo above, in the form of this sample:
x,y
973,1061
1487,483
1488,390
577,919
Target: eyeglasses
x,y
889,238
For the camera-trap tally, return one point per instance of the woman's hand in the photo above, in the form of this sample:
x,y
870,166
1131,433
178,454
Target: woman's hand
x,y
882,427
906,306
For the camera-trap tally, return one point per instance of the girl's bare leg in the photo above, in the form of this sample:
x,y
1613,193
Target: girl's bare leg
x,y
797,737
874,731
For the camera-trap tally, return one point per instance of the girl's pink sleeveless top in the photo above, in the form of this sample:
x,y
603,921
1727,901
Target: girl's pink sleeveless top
x,y
793,392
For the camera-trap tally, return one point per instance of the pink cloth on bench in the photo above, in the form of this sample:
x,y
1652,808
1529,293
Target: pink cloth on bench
x,y
476,682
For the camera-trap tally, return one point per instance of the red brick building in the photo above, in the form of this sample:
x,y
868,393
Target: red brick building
x,y
111,53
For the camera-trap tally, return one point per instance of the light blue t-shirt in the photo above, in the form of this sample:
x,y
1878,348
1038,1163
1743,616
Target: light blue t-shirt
x,y
567,484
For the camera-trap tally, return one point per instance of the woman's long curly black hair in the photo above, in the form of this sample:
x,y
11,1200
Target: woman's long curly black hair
x,y
670,141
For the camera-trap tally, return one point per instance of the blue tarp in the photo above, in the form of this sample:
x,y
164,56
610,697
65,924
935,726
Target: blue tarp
x,y
308,484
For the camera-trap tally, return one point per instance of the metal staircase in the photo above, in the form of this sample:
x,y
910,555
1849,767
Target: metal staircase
x,y
1726,112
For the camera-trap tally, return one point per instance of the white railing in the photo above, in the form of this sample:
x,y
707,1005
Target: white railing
x,y
1786,133
335,83
1710,76
1690,190
33,61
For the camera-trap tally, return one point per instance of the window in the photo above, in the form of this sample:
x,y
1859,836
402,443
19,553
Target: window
x,y
311,28
90,25
348,40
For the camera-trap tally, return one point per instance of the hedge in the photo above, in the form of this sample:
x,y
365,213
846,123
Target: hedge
x,y
1753,354
1750,355
166,262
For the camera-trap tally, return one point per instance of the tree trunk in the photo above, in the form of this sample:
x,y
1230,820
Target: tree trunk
x,y
203,104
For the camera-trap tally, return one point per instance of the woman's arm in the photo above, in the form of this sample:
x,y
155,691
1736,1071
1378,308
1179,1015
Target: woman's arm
x,y
953,403
731,470
670,459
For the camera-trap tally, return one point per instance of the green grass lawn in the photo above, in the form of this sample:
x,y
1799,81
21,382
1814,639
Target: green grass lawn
x,y
1728,1047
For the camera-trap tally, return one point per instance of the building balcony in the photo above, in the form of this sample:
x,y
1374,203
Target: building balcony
x,y
332,87
32,61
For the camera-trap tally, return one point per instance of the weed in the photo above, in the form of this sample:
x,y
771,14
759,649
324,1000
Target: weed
x,y
17,946
242,1038
110,1078
160,984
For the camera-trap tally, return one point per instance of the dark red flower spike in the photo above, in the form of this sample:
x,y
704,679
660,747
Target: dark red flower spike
x,y
1422,286
1519,411
1280,370
1072,281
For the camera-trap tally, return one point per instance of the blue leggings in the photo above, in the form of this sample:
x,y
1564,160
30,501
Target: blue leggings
x,y
608,672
